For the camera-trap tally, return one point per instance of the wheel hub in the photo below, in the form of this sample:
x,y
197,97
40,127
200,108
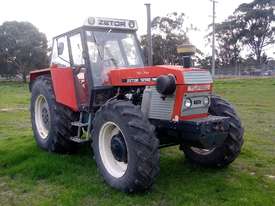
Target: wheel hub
x,y
45,116
118,148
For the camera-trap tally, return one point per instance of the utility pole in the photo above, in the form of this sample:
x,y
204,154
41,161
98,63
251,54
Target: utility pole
x,y
213,38
149,35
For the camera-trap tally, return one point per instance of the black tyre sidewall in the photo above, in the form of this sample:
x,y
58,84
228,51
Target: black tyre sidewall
x,y
39,88
115,182
223,155
132,180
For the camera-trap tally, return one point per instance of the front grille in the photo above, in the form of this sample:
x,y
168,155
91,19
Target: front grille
x,y
156,107
197,77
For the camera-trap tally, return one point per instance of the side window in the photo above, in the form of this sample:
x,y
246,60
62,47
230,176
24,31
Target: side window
x,y
93,52
77,50
61,59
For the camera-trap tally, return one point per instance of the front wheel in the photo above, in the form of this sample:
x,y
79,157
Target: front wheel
x,y
125,147
226,153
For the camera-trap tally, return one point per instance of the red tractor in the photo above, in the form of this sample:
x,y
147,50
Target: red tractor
x,y
98,90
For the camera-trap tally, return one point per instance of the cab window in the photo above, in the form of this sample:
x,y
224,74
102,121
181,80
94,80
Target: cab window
x,y
60,55
77,50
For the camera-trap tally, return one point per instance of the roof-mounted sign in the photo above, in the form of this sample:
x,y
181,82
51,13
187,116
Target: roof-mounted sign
x,y
111,23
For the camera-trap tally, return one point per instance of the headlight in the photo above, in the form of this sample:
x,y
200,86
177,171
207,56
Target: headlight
x,y
187,103
206,101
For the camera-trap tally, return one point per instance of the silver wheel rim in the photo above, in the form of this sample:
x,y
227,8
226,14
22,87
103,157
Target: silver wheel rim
x,y
202,151
42,116
115,168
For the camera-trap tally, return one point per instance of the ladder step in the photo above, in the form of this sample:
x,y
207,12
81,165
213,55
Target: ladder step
x,y
79,124
78,140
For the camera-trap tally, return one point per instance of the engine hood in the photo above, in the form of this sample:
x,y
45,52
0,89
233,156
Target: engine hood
x,y
146,76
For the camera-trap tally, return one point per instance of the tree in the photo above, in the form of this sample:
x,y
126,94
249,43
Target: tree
x,y
168,33
255,20
229,47
23,47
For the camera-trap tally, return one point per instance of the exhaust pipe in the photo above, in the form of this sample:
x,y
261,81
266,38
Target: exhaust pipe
x,y
149,35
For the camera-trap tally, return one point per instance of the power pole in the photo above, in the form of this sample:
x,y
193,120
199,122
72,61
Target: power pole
x,y
149,35
213,38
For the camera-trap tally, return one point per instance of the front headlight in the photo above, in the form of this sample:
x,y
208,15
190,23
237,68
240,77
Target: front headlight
x,y
206,101
188,103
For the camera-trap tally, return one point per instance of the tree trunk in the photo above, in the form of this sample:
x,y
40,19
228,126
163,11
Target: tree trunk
x,y
24,74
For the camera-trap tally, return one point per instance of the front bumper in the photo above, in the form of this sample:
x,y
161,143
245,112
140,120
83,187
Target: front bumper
x,y
204,133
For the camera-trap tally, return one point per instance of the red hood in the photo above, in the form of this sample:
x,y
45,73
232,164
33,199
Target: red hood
x,y
147,75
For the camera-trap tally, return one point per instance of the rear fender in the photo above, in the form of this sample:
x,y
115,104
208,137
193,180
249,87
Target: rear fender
x,y
37,73
63,85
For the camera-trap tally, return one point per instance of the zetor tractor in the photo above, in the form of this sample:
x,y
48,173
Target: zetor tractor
x,y
97,90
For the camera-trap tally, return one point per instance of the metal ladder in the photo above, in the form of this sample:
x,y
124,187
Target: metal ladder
x,y
81,125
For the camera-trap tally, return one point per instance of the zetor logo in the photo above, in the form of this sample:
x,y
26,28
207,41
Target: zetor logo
x,y
112,23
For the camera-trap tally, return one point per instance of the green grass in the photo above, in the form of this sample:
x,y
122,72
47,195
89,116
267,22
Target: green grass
x,y
30,176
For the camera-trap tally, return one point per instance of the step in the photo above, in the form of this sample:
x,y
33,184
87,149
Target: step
x,y
79,124
78,140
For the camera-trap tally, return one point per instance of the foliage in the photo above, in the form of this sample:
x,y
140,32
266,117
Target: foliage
x,y
255,23
22,48
228,37
250,28
168,33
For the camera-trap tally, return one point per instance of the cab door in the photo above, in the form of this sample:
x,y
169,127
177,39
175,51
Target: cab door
x,y
80,70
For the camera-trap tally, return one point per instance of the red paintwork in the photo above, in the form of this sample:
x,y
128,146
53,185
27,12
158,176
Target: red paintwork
x,y
117,75
65,91
63,85
36,73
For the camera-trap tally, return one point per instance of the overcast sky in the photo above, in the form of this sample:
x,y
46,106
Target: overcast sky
x,y
54,17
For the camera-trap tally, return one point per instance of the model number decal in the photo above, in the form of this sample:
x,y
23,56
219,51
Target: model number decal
x,y
134,80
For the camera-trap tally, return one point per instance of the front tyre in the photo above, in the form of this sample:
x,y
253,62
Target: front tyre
x,y
125,147
230,149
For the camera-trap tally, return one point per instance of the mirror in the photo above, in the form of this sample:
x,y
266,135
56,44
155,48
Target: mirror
x,y
60,48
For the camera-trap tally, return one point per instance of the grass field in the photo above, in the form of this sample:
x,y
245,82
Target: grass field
x,y
30,176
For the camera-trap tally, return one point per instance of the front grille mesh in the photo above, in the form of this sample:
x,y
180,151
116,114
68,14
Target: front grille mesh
x,y
160,108
197,77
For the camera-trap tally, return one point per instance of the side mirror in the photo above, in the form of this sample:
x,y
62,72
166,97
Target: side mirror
x,y
60,48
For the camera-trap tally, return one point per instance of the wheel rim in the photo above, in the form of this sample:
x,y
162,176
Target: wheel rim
x,y
42,116
116,168
202,151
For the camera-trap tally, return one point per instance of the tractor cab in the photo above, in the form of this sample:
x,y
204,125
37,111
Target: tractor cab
x,y
92,50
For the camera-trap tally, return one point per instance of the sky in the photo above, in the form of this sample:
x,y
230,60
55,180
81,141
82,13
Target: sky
x,y
54,17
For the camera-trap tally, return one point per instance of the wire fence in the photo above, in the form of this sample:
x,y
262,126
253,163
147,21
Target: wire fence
x,y
244,71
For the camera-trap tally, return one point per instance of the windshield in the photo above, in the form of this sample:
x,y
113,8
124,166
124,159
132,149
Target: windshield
x,y
110,50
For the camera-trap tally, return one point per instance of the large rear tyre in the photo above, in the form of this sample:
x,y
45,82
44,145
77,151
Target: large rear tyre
x,y
226,153
125,147
51,121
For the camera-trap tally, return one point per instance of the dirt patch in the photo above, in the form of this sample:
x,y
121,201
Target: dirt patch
x,y
13,109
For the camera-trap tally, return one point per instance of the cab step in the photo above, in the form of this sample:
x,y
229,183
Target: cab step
x,y
79,124
80,141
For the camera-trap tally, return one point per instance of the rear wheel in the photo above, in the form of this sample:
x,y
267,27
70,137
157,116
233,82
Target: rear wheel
x,y
125,147
51,121
226,153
